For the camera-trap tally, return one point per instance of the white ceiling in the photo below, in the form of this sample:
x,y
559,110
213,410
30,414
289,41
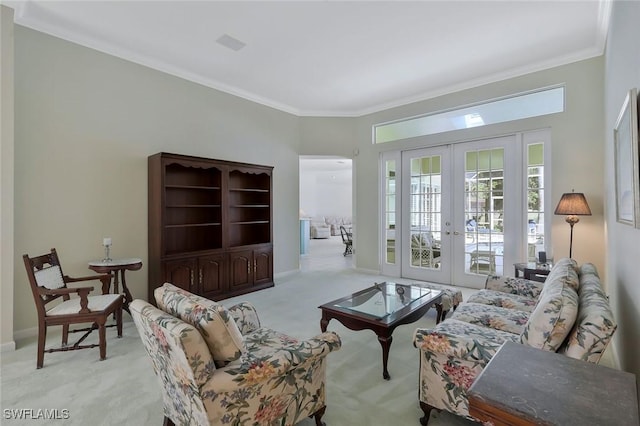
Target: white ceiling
x,y
331,58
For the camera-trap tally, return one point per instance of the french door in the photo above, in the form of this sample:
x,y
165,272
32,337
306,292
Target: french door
x,y
459,211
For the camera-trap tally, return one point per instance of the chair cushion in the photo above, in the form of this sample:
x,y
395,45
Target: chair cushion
x,y
510,320
96,303
212,319
504,300
517,286
50,278
553,316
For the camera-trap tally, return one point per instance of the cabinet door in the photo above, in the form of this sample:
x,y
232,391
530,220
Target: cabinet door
x,y
212,275
182,273
263,266
240,269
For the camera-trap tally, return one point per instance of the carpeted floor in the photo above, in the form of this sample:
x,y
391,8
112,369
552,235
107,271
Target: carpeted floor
x,y
123,389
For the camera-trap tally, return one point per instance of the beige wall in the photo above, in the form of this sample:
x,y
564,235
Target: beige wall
x,y
577,151
6,177
86,123
622,73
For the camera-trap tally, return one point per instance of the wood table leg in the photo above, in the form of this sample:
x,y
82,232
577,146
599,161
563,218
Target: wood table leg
x,y
324,322
385,342
127,294
116,282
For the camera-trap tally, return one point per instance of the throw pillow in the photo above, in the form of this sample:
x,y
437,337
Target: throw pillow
x,y
553,316
213,320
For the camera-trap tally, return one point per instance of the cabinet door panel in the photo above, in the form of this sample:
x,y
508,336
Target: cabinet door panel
x,y
212,271
181,273
240,269
263,266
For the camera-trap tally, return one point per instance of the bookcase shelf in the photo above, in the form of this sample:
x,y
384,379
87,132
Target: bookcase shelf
x,y
210,225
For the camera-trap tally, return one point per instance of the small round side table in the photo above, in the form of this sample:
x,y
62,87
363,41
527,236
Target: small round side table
x,y
114,267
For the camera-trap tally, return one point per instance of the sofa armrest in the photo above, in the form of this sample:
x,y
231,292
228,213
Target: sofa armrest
x,y
519,286
462,340
251,370
246,317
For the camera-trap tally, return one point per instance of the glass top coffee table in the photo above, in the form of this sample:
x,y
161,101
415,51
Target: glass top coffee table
x,y
381,308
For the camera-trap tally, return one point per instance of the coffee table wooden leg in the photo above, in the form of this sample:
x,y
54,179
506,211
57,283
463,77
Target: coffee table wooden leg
x,y
324,322
385,342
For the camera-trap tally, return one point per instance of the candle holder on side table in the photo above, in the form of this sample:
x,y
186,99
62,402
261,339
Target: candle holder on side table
x,y
106,242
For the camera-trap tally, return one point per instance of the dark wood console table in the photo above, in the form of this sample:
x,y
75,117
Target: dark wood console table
x,y
526,386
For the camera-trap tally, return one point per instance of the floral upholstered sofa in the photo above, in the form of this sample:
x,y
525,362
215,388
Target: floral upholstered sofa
x,y
218,366
569,313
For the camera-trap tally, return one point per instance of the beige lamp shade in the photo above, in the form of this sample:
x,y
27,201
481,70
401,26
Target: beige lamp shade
x,y
573,203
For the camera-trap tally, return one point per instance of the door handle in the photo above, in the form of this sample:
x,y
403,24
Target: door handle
x,y
456,233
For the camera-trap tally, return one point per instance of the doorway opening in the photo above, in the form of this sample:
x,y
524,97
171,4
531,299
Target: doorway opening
x,y
326,212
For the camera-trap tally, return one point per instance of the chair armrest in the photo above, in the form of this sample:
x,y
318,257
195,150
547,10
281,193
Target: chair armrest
x,y
250,370
65,290
68,279
83,292
519,286
104,278
246,317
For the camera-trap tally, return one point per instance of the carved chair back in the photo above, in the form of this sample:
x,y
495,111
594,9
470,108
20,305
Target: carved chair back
x,y
45,273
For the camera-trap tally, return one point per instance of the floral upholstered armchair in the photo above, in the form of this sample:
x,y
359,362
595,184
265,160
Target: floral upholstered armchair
x,y
218,366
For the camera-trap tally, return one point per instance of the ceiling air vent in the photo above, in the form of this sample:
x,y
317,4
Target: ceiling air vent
x,y
230,42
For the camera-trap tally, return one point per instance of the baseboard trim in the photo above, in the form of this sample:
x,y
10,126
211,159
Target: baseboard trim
x,y
8,346
26,333
285,273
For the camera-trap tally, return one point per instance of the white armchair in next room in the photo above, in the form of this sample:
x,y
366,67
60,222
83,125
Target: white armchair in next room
x,y
319,228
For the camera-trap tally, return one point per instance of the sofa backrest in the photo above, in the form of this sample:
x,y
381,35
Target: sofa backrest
x,y
595,323
211,319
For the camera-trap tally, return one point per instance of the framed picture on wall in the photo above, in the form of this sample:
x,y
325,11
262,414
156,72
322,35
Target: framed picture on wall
x,y
627,170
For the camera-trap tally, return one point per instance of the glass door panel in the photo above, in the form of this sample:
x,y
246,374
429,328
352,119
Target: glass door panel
x,y
425,203
486,205
390,212
484,211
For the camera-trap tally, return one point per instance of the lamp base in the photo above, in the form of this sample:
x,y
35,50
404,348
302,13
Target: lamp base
x,y
572,219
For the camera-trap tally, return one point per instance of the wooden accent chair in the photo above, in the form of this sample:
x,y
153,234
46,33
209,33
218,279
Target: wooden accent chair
x,y
347,240
48,283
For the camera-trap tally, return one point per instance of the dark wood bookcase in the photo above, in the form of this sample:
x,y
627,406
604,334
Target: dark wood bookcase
x,y
210,225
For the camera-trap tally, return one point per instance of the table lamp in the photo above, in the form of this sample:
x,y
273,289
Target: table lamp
x,y
573,204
